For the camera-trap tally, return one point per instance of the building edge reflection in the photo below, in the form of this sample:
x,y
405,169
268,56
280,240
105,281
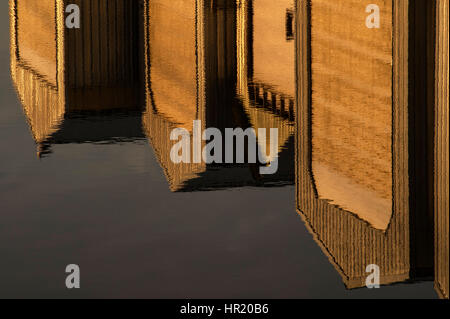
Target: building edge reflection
x,y
96,96
351,243
206,68
441,153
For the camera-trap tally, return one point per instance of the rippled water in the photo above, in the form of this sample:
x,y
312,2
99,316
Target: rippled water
x,y
85,176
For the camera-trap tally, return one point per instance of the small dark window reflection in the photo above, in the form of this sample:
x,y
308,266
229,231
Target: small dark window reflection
x,y
289,25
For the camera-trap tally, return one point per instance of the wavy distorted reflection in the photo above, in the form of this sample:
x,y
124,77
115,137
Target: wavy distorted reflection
x,y
139,69
80,86
357,176
191,65
129,74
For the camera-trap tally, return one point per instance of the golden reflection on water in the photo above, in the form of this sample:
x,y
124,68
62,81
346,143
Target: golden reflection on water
x,y
140,69
352,108
37,37
191,74
167,63
63,75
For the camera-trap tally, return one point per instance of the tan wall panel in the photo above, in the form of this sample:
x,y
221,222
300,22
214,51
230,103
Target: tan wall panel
x,y
349,241
274,55
36,35
173,61
352,108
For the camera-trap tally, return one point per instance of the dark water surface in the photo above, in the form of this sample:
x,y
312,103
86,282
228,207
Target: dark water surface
x,y
93,187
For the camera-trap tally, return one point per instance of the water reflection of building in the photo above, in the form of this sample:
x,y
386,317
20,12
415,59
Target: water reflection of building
x,y
77,85
350,123
191,75
231,64
266,70
441,153
352,110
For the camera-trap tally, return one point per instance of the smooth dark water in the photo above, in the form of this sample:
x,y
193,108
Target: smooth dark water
x,y
106,204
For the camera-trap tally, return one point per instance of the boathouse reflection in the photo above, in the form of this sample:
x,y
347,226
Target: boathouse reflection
x,y
77,85
191,66
140,69
357,182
